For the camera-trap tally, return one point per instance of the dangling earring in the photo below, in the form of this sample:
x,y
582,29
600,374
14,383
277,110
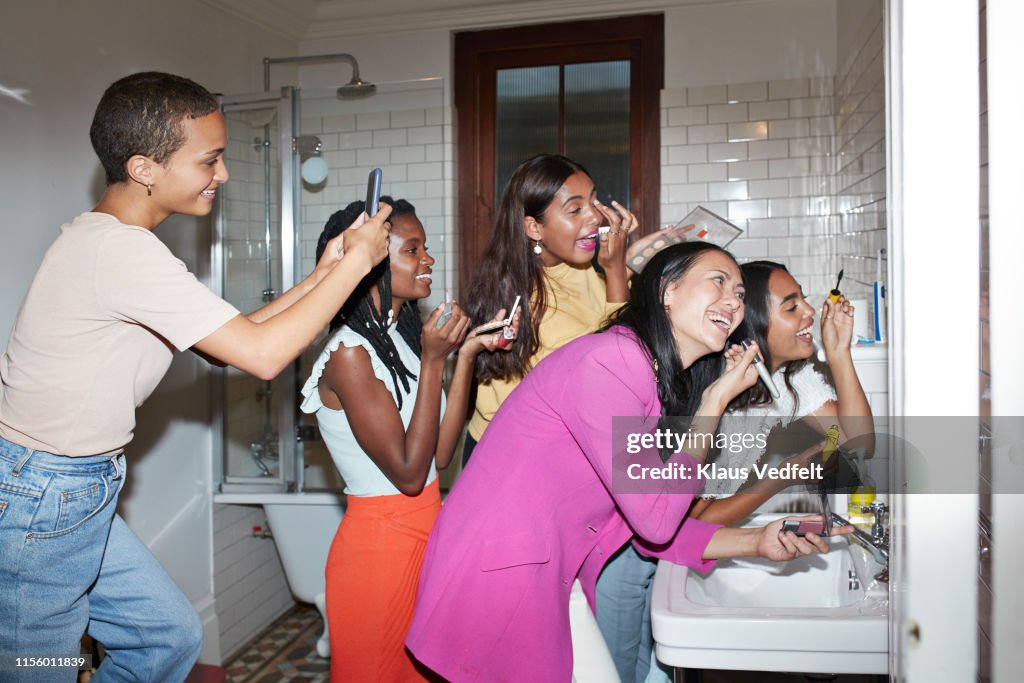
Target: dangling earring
x,y
149,189
536,248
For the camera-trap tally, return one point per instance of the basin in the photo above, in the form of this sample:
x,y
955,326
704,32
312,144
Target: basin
x,y
824,613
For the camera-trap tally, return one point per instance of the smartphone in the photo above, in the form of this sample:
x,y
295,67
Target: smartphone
x,y
498,324
802,528
373,192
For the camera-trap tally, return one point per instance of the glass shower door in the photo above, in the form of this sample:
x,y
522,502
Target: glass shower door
x,y
254,260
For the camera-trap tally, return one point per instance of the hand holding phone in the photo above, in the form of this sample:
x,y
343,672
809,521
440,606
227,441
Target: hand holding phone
x,y
803,527
498,324
373,192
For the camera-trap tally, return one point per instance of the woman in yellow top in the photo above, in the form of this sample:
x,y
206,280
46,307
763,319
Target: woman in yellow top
x,y
542,249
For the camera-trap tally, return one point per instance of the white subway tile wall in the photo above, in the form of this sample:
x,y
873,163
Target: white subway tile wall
x,y
859,142
798,164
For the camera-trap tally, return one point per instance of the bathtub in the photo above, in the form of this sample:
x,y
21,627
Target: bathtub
x,y
303,525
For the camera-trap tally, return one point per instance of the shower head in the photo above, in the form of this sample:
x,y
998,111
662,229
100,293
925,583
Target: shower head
x,y
356,88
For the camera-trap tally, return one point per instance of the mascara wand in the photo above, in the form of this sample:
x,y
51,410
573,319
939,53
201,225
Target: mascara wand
x,y
834,295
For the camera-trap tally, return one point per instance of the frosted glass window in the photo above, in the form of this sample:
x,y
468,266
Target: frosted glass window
x,y
597,124
526,119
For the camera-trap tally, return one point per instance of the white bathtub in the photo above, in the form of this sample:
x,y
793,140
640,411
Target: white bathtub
x,y
303,525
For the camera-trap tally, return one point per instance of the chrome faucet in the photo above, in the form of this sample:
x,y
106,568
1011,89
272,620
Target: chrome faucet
x,y
257,451
877,542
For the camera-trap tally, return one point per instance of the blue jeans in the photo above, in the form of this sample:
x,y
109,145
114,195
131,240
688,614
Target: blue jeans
x,y
623,611
69,565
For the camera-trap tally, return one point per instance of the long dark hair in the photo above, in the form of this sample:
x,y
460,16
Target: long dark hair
x,y
359,311
679,390
756,276
509,268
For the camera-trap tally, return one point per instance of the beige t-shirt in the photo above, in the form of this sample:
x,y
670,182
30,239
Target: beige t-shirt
x,y
96,333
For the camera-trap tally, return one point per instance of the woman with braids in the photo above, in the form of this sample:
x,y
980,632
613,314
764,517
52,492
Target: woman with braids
x,y
541,250
376,391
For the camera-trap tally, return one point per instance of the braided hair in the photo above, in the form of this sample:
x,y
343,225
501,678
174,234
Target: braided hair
x,y
360,313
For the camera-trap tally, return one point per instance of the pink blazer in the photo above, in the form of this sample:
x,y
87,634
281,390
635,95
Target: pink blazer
x,y
536,509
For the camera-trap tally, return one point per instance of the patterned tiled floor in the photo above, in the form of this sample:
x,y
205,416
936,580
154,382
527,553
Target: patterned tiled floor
x,y
286,651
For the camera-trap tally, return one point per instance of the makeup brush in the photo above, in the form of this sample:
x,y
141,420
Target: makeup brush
x,y
834,295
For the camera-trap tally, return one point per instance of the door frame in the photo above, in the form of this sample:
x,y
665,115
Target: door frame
x,y
643,35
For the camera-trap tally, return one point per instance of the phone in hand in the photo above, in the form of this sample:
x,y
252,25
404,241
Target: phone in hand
x,y
373,192
498,324
802,528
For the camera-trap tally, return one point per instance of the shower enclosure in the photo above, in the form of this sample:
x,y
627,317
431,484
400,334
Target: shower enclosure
x,y
295,157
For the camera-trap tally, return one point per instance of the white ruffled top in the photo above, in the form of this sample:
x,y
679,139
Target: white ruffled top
x,y
362,476
814,391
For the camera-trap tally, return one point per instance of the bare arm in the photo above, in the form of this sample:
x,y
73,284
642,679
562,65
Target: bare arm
x,y
457,408
738,376
735,508
332,255
264,344
851,407
768,542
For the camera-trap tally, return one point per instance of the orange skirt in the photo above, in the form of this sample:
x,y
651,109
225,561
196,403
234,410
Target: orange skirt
x,y
373,569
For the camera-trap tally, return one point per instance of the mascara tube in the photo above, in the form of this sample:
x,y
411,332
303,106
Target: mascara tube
x,y
763,372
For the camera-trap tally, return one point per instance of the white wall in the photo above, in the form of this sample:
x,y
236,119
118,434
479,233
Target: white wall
x,y
66,54
709,44
722,43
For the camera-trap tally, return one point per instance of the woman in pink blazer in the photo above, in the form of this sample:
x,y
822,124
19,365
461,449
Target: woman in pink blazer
x,y
548,498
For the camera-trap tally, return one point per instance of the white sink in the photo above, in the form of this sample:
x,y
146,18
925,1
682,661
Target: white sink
x,y
819,614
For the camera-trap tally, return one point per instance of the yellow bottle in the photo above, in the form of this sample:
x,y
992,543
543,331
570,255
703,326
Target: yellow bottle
x,y
860,498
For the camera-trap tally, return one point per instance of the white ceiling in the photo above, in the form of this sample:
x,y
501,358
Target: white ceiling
x,y
303,20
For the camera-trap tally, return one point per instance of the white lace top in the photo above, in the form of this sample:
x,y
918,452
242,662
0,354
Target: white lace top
x,y
362,476
814,391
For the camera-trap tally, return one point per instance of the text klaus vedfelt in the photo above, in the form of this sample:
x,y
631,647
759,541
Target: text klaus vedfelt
x,y
664,439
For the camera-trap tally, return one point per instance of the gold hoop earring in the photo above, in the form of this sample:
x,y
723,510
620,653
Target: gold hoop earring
x,y
149,189
536,248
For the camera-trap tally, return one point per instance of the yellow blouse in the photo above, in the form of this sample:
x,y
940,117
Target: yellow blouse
x,y
576,305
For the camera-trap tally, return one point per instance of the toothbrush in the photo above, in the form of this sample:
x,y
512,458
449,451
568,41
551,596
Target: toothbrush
x,y
763,372
821,351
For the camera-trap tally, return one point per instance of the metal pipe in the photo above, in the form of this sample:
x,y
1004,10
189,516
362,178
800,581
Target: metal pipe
x,y
309,59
